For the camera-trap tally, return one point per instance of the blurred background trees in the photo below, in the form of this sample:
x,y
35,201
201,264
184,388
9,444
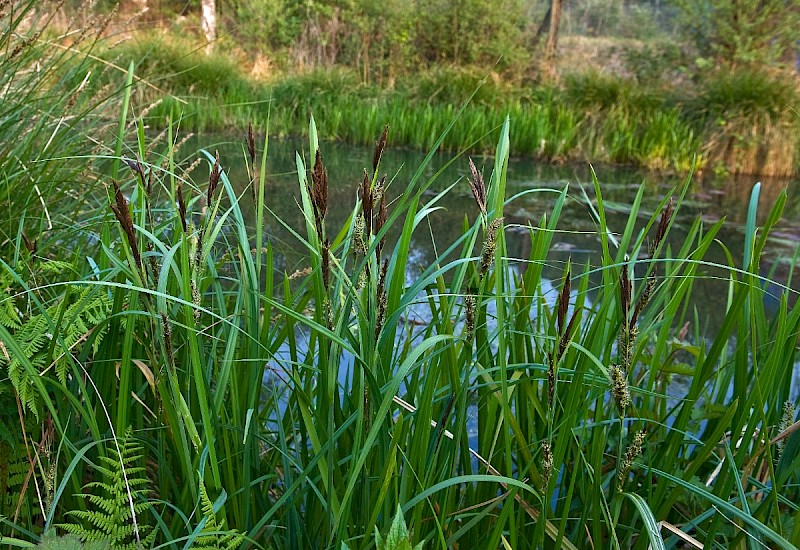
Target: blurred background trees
x,y
742,32
521,40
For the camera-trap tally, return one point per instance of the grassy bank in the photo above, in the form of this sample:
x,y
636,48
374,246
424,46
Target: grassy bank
x,y
164,383
740,122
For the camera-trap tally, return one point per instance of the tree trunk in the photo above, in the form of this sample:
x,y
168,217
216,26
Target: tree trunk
x,y
208,22
549,26
552,37
543,28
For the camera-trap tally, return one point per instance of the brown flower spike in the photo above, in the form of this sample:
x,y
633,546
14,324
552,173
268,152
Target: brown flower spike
x,y
123,215
319,193
379,148
478,187
213,179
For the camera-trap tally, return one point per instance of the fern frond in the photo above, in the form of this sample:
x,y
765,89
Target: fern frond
x,y
213,535
88,311
68,542
14,470
9,316
108,517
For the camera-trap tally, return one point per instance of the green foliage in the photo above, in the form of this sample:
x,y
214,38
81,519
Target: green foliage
x,y
746,94
51,541
493,402
657,63
316,460
745,32
259,23
212,535
75,319
43,132
602,91
13,475
398,537
118,509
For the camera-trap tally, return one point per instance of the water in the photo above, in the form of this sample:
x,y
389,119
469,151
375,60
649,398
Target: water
x,y
709,198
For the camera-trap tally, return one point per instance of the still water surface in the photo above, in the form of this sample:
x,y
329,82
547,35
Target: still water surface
x,y
710,199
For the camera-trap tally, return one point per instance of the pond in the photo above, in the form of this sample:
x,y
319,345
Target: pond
x,y
576,240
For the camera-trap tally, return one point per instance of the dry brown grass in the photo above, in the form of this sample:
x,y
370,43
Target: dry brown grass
x,y
599,53
765,148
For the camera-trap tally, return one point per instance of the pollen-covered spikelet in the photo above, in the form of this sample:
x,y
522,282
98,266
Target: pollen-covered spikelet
x,y
195,299
167,332
361,282
381,299
469,316
490,245
619,388
547,464
787,419
359,240
627,336
633,450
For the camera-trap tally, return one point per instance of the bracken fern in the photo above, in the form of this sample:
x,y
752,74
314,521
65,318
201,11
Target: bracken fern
x,y
212,534
123,487
68,321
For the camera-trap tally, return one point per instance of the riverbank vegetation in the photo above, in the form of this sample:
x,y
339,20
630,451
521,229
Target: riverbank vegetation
x,y
635,84
165,381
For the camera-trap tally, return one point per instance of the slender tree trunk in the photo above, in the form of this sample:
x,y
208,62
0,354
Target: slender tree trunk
x,y
555,21
208,22
549,26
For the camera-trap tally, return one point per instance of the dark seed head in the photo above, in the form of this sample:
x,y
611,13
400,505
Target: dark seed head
x,y
367,204
181,206
625,291
251,144
123,215
563,302
326,264
319,191
213,178
477,186
379,148
663,224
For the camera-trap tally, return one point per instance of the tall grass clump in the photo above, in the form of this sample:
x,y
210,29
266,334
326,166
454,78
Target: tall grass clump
x,y
183,380
50,131
47,117
750,120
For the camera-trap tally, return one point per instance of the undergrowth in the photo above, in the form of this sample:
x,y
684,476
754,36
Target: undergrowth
x,y
303,409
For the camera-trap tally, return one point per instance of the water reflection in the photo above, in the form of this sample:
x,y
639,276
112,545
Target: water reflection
x,y
576,239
